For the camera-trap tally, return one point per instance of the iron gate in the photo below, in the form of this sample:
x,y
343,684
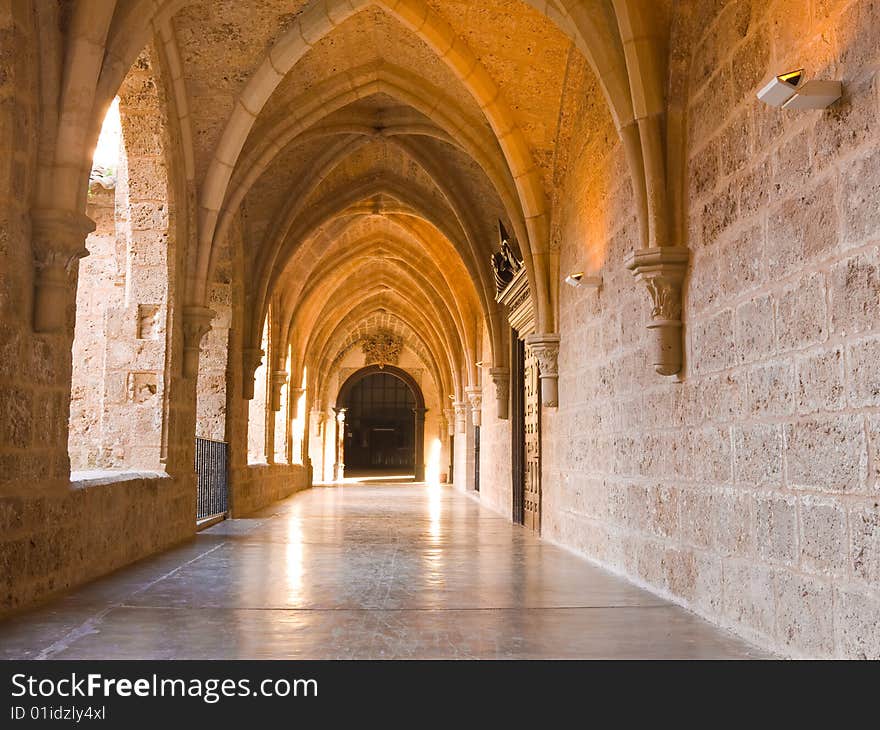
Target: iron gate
x,y
211,473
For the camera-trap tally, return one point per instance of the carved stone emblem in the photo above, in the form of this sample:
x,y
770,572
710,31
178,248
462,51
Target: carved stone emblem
x,y
504,263
382,348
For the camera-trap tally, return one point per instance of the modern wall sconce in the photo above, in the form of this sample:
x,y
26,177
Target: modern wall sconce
x,y
578,280
790,91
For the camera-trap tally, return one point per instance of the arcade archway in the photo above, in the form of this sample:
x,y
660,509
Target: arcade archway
x,y
381,411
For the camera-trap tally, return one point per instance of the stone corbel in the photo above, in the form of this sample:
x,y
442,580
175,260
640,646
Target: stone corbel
x,y
196,324
58,240
251,359
662,270
546,351
279,380
475,396
460,408
501,378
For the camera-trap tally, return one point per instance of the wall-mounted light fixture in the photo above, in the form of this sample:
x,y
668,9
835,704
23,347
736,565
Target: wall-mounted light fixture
x,y
789,91
578,280
479,364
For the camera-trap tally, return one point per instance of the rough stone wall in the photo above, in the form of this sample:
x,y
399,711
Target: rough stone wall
x,y
746,489
118,392
96,276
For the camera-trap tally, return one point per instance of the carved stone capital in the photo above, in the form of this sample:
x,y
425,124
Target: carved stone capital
x,y
501,379
449,415
196,324
251,359
316,418
545,348
460,408
58,240
278,381
662,270
475,396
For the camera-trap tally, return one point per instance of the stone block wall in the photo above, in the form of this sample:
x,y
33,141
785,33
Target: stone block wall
x,y
747,488
259,485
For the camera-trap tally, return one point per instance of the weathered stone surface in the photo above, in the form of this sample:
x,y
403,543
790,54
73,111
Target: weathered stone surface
x,y
828,455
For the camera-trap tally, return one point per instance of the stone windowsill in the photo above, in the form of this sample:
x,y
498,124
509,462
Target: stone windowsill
x,y
104,477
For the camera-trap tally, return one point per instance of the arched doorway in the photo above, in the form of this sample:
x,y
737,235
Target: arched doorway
x,y
383,415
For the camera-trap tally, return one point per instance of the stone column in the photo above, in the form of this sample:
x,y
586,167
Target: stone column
x,y
339,466
316,417
251,359
278,381
546,351
662,271
501,379
58,241
449,415
475,396
460,408
295,395
196,324
420,443
450,442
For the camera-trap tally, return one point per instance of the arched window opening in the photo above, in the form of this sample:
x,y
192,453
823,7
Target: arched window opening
x,y
119,349
257,406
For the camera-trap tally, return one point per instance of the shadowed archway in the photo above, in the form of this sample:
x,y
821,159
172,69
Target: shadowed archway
x,y
383,412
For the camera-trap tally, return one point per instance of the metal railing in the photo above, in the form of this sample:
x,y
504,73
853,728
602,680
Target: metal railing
x,y
211,472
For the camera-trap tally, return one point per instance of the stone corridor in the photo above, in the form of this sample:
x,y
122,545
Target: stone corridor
x,y
365,571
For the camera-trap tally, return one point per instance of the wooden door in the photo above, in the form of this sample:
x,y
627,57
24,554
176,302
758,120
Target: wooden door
x,y
532,447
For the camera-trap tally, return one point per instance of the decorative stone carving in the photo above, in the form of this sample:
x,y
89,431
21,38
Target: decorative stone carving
x,y
58,241
196,324
475,396
278,381
382,348
546,351
501,379
504,263
251,359
460,408
662,270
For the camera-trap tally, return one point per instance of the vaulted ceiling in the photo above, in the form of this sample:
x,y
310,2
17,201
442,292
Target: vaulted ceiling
x,y
369,149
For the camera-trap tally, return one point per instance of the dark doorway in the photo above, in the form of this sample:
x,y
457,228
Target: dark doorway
x,y
384,423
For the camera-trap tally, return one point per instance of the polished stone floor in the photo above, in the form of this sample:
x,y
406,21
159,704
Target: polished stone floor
x,y
374,570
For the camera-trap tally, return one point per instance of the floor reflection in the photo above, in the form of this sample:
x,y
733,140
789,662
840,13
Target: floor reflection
x,y
370,570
